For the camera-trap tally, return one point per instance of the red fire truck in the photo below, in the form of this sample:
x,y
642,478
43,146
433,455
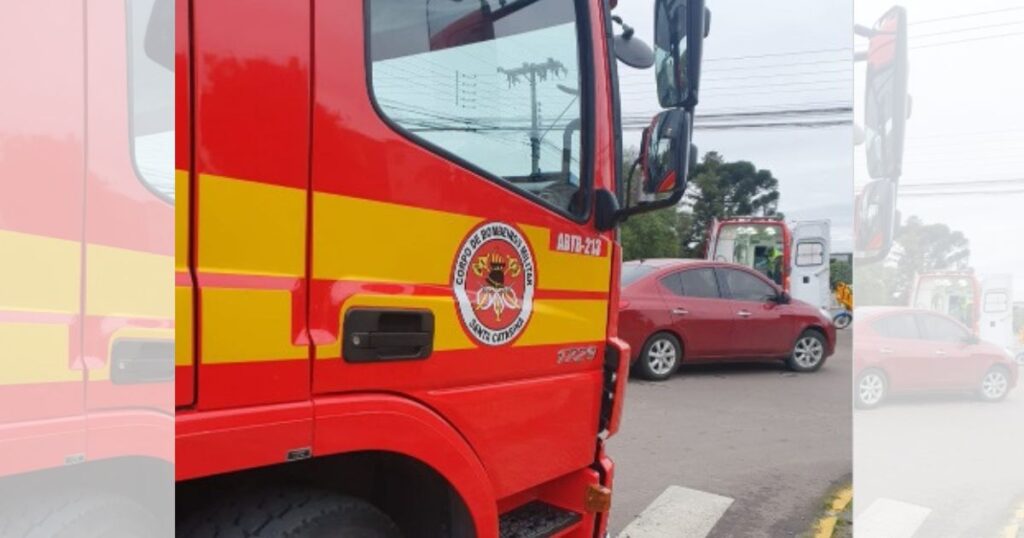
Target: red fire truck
x,y
400,270
86,310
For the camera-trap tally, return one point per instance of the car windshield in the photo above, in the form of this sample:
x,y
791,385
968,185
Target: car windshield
x,y
631,272
757,246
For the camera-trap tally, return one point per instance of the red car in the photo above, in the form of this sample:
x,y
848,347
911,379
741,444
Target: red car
x,y
910,350
673,311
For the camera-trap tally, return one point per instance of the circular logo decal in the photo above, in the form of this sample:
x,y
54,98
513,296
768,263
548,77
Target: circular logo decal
x,y
493,280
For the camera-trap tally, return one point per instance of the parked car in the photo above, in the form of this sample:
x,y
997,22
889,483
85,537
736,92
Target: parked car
x,y
674,311
900,350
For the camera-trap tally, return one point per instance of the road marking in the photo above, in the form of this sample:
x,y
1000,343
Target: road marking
x,y
888,518
678,512
826,526
1016,526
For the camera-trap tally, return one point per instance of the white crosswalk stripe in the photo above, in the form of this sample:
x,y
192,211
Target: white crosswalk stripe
x,y
888,518
678,513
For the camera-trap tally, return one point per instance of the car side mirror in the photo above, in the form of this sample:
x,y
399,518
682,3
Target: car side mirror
x,y
782,298
971,340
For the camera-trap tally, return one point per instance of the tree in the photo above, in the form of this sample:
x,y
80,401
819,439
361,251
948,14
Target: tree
x,y
917,248
720,189
839,271
648,235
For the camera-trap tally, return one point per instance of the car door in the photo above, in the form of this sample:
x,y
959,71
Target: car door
x,y
903,354
698,313
760,328
949,348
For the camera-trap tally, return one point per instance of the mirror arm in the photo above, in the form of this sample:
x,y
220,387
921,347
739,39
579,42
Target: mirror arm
x,y
622,215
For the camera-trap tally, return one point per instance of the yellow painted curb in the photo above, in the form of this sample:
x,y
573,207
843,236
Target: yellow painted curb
x,y
1015,526
826,525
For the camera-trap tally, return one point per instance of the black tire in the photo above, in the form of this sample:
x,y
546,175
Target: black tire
x,y
995,384
871,389
660,357
75,514
808,353
842,320
290,513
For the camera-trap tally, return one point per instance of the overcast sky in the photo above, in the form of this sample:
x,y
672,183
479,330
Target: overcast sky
x,y
967,124
770,56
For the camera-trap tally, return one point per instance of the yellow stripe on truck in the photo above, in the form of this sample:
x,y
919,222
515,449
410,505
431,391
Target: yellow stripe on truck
x,y
251,228
35,353
40,274
128,283
563,271
558,321
365,240
248,325
183,326
181,220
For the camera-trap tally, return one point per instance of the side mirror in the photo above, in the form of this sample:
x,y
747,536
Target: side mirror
x,y
971,340
887,102
874,220
664,164
680,27
782,298
630,49
664,157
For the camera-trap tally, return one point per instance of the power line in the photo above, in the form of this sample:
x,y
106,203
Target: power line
x,y
774,54
964,15
968,29
967,40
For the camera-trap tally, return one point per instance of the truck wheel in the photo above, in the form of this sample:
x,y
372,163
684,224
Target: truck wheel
x,y
995,385
870,390
659,358
808,352
86,514
291,513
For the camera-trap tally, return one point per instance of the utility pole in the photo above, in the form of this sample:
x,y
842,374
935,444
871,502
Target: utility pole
x,y
534,72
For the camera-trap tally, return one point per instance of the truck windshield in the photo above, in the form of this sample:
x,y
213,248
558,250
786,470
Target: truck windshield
x,y
495,84
758,246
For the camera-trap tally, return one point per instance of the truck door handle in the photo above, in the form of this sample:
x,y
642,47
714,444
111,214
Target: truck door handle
x,y
382,335
939,352
885,351
139,361
743,314
680,311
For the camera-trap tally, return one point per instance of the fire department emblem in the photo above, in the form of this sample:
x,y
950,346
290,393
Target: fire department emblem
x,y
493,281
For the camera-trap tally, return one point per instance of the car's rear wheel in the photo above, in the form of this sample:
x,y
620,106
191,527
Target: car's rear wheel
x,y
995,384
808,352
1020,358
871,389
660,357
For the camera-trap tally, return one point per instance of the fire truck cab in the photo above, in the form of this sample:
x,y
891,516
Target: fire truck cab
x,y
400,264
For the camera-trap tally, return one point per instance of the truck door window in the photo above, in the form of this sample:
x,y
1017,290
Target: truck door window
x,y
151,93
810,254
493,84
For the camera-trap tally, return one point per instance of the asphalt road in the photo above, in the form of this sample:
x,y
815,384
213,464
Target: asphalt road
x,y
774,441
941,466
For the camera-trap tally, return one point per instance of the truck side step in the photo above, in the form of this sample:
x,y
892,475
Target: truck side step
x,y
536,520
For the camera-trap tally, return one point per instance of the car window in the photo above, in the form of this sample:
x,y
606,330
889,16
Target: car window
x,y
743,286
940,329
698,283
151,92
900,326
631,272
